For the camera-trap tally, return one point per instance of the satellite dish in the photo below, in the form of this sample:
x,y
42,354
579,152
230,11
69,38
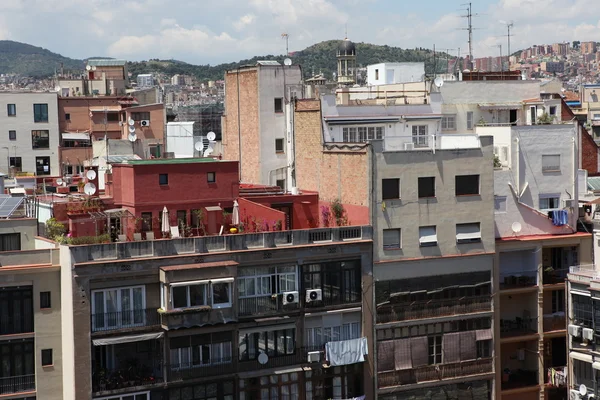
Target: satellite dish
x,y
93,67
208,151
582,389
516,227
131,129
59,182
89,189
132,137
439,82
211,136
287,61
199,146
263,358
57,88
90,174
88,67
131,122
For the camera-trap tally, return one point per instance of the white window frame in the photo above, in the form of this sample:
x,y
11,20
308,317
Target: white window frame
x,y
548,166
189,352
353,331
226,281
258,289
121,396
428,236
449,122
549,197
209,300
119,309
419,135
187,285
362,134
470,117
500,204
468,232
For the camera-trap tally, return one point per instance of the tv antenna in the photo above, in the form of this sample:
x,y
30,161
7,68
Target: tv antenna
x,y
447,51
501,61
287,42
469,28
509,26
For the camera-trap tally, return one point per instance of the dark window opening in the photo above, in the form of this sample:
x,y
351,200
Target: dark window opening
x,y
45,300
11,109
40,113
47,357
146,221
40,139
163,179
278,105
211,177
12,135
279,145
467,185
427,187
390,189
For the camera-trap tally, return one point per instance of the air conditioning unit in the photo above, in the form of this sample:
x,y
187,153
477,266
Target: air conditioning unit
x,y
574,395
314,356
409,146
574,330
290,298
145,122
313,295
588,334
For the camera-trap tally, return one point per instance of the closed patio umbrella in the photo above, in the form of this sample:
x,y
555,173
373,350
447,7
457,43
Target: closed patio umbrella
x,y
165,228
235,215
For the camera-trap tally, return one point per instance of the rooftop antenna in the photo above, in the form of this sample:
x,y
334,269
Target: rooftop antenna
x,y
287,38
469,28
509,26
447,51
501,62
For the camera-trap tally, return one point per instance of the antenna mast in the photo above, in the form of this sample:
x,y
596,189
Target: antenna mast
x,y
509,25
287,38
469,28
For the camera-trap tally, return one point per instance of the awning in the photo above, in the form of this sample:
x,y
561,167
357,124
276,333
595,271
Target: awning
x,y
75,136
500,106
213,208
127,339
596,365
106,108
18,190
581,357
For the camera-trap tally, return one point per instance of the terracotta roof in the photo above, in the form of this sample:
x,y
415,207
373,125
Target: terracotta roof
x,y
571,96
200,265
542,237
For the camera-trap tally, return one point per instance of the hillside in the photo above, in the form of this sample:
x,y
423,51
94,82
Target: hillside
x,y
28,60
316,58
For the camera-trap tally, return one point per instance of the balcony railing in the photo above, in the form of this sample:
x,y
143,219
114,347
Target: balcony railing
x,y
512,280
334,297
434,373
583,273
16,324
103,379
552,277
435,308
177,372
124,319
518,327
265,305
300,356
17,384
518,379
555,322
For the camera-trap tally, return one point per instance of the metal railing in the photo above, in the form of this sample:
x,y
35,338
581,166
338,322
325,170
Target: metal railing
x,y
518,327
104,379
271,304
554,276
179,372
16,324
434,308
511,280
518,379
124,319
17,384
434,373
300,356
332,296
554,322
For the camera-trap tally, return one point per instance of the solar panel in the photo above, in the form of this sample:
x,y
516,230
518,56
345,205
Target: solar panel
x,y
8,205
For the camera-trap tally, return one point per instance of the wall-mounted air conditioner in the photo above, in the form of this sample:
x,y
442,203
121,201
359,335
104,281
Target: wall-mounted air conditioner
x,y
409,146
290,298
574,330
314,356
145,122
588,334
313,295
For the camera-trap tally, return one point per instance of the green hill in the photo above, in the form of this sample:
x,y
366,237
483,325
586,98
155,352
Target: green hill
x,y
316,58
28,60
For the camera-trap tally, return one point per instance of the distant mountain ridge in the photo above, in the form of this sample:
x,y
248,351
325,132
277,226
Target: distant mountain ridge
x,y
28,60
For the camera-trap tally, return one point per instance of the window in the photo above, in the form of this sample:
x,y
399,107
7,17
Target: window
x,y
140,116
10,241
349,135
551,163
427,187
390,189
16,163
114,117
376,74
200,350
196,294
211,177
146,221
427,236
17,359
118,307
40,113
265,281
449,123
42,165
207,391
47,357
552,111
11,110
278,145
435,349
469,120
558,301
40,139
468,233
12,135
339,282
467,185
163,179
484,348
45,300
278,104
549,201
362,134
318,336
280,183
419,136
16,309
499,204
392,239
67,117
273,342
181,218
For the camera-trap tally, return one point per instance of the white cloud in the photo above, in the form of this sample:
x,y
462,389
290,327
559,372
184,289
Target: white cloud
x,y
244,21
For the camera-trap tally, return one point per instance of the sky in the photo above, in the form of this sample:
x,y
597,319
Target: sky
x,y
212,32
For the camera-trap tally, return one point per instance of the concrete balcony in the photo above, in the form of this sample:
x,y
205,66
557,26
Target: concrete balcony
x,y
583,274
555,322
432,373
518,280
17,384
196,316
265,305
213,244
179,372
431,142
125,320
440,308
511,328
